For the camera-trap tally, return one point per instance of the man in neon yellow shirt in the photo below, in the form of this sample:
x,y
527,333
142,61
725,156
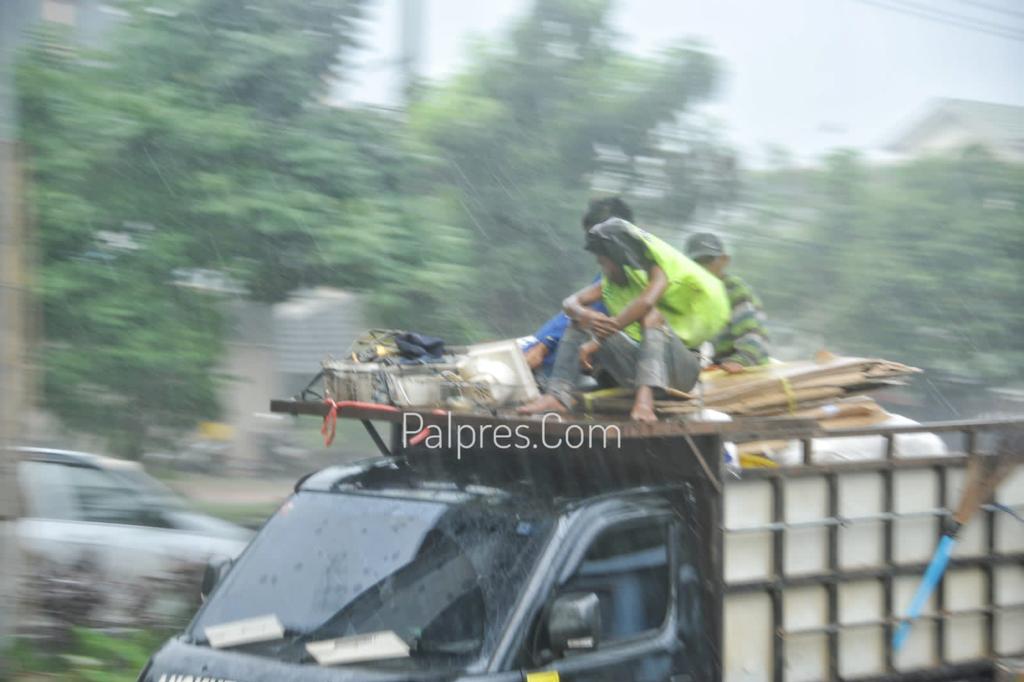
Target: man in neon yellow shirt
x,y
660,305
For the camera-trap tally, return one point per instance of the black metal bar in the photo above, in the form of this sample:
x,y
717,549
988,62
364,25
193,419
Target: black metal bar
x,y
396,439
297,407
940,588
779,571
931,427
717,511
990,583
832,584
850,467
888,503
739,430
975,671
971,445
375,435
1014,559
875,623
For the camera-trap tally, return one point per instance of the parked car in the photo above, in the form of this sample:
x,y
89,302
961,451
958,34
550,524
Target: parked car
x,y
108,513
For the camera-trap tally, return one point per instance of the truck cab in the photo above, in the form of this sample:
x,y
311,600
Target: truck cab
x,y
486,568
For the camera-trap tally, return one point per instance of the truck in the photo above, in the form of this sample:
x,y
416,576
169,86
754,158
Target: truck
x,y
572,550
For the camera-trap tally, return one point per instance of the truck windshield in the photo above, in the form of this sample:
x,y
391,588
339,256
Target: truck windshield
x,y
440,572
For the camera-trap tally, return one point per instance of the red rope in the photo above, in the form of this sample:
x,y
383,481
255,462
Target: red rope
x,y
330,425
424,432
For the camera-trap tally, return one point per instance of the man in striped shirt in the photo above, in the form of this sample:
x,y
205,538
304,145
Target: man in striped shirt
x,y
744,341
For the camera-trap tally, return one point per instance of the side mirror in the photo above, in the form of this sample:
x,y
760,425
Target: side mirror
x,y
217,566
574,623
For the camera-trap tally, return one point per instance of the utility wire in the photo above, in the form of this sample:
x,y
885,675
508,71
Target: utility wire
x,y
964,18
937,16
993,8
951,18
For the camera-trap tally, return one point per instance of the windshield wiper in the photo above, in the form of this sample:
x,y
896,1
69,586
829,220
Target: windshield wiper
x,y
270,647
418,648
456,647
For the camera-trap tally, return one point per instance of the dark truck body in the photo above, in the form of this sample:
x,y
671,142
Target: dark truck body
x,y
463,555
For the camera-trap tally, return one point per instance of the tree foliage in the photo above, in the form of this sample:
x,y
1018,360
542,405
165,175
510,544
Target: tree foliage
x,y
198,140
919,261
514,146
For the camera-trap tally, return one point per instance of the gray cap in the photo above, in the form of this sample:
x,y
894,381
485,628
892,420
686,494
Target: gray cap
x,y
704,245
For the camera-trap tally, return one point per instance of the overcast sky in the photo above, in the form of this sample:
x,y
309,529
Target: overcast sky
x,y
806,74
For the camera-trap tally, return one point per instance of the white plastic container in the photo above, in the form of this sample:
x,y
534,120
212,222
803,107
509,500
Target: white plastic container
x,y
860,528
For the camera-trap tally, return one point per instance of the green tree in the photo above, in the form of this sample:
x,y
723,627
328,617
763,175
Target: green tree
x,y
918,262
199,140
516,144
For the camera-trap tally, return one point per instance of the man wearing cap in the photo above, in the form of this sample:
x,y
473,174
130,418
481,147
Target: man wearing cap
x,y
744,342
660,305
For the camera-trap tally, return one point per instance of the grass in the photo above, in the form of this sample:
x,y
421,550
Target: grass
x,y
248,514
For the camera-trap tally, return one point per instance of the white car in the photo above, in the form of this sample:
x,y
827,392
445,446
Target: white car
x,y
111,513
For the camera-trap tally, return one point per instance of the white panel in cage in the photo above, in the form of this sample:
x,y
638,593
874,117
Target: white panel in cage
x,y
1009,585
965,637
806,549
1009,639
860,495
806,499
860,602
806,658
747,632
804,608
747,504
964,589
914,538
748,556
1009,534
919,648
861,652
914,490
861,544
1011,491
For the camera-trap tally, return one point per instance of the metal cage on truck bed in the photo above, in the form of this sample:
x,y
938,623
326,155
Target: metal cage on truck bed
x,y
822,559
815,563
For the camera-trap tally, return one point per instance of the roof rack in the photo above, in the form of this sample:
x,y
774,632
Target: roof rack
x,y
741,428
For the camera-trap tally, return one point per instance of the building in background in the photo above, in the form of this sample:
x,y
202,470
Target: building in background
x,y
950,125
274,351
271,350
312,325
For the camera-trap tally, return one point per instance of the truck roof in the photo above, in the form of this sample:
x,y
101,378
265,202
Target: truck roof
x,y
544,480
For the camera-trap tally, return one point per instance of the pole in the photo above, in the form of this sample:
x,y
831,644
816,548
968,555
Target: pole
x,y
12,381
15,17
411,41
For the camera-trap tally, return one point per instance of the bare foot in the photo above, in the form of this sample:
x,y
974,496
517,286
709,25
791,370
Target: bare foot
x,y
545,403
643,406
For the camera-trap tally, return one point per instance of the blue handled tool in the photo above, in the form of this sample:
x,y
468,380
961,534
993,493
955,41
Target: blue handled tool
x,y
984,473
931,578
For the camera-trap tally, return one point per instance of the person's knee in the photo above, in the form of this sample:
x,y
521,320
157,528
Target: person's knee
x,y
574,324
653,319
